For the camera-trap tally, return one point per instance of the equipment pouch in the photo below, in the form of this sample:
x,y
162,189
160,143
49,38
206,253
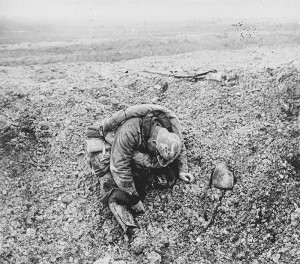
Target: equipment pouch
x,y
96,145
98,154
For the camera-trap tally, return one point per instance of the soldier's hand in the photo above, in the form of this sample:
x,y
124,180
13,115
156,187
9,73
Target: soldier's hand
x,y
186,177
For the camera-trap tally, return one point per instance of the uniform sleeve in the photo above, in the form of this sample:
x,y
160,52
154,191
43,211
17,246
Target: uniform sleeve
x,y
176,127
182,160
125,143
118,118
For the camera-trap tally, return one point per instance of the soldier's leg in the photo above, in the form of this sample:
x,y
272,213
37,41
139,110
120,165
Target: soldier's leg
x,y
118,203
117,200
123,216
142,180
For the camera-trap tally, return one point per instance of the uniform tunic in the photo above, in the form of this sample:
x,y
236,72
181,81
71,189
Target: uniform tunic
x,y
129,149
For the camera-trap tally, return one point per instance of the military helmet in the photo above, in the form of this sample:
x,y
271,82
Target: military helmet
x,y
168,147
221,177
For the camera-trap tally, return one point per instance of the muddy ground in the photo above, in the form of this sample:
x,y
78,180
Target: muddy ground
x,y
50,209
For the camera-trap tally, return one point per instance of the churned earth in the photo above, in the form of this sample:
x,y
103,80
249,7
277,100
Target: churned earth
x,y
248,116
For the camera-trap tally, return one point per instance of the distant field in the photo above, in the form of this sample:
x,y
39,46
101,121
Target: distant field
x,y
31,43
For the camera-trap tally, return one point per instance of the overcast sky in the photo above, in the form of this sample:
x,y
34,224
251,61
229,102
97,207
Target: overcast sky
x,y
152,9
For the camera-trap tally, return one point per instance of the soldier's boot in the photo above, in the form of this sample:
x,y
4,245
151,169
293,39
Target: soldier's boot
x,y
124,217
137,238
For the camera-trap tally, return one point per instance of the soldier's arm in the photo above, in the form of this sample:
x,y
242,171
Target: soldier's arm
x,y
126,141
183,167
182,160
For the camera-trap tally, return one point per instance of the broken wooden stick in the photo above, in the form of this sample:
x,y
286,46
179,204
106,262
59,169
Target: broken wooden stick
x,y
197,76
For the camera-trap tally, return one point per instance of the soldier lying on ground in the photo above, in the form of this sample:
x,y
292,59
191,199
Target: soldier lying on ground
x,y
142,142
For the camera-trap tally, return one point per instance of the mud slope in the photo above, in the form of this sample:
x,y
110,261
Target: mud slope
x,y
50,212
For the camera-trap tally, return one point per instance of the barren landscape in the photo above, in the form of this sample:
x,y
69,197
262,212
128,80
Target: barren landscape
x,y
246,114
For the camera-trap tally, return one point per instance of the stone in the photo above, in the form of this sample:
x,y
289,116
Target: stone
x,y
154,99
30,232
295,217
67,199
179,260
276,258
153,257
165,87
104,260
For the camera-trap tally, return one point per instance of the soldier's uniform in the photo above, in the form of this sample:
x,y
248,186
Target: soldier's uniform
x,y
131,159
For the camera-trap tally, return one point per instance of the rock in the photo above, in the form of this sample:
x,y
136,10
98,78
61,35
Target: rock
x,y
276,258
231,76
284,75
241,255
105,260
154,99
67,122
30,232
107,226
180,260
295,161
165,87
295,217
4,124
216,76
44,126
67,199
153,257
285,107
39,217
140,242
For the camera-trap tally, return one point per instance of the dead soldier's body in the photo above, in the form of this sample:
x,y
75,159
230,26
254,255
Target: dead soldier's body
x,y
142,143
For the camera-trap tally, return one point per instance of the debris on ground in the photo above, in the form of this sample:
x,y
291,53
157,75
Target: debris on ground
x,y
50,208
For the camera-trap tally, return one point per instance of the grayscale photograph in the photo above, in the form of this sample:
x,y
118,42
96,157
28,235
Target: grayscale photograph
x,y
149,131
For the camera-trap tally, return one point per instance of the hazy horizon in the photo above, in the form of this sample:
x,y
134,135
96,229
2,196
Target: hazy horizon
x,y
154,10
65,20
